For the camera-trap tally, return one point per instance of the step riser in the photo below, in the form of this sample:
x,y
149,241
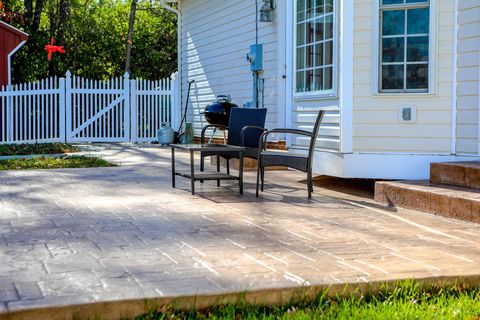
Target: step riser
x,y
436,203
456,174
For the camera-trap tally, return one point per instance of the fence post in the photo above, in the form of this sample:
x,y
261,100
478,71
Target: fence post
x,y
126,125
62,111
176,109
133,108
67,107
9,113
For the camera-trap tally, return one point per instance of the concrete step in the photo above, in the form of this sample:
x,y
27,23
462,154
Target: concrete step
x,y
462,174
448,201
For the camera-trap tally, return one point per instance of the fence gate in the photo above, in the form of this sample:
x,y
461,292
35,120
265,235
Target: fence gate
x,y
75,109
97,111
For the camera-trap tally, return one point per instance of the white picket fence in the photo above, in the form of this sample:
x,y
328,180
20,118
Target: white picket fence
x,y
75,109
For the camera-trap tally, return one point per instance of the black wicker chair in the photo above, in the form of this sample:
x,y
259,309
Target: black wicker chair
x,y
286,159
245,126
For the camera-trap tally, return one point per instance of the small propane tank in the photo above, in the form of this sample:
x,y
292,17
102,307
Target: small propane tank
x,y
165,134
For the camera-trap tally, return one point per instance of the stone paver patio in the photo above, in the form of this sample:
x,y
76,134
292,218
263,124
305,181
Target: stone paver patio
x,y
80,236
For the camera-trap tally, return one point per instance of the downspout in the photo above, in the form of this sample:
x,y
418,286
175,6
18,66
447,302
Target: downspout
x,y
164,4
454,79
9,61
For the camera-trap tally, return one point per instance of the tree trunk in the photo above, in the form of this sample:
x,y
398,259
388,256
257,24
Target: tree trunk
x,y
131,25
37,15
53,24
28,10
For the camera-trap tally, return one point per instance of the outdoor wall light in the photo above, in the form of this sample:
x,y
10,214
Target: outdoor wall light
x,y
266,12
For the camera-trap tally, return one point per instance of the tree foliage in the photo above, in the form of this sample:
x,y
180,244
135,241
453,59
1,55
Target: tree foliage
x,y
94,34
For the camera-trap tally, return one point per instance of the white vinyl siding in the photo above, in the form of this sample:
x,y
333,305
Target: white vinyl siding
x,y
377,128
468,77
304,107
216,36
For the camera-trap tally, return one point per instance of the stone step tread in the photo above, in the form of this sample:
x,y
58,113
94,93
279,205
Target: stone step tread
x,y
463,173
437,188
445,200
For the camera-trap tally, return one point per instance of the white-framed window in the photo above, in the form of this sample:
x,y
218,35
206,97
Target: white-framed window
x,y
314,54
404,56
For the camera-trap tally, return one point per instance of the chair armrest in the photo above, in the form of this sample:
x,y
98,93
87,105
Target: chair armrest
x,y
249,128
217,126
263,137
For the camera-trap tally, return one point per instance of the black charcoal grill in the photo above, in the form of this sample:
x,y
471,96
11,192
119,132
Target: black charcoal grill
x,y
218,112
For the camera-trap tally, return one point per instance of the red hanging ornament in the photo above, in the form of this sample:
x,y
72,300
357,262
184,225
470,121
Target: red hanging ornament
x,y
52,48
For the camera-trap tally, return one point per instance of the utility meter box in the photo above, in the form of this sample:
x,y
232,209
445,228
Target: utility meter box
x,y
255,57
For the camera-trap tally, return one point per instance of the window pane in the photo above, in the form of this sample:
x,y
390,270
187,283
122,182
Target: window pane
x,y
384,2
329,27
393,22
392,77
319,29
300,58
328,6
417,76
300,10
310,31
310,56
319,55
328,78
328,52
393,49
300,34
319,7
309,80
418,21
300,81
318,79
417,49
310,9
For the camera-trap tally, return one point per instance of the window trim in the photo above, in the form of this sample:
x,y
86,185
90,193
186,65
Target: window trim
x,y
322,94
377,47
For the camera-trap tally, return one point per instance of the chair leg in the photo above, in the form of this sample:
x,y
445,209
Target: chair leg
x,y
202,165
263,177
309,184
258,177
218,169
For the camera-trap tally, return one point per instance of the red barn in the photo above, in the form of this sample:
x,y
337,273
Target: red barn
x,y
11,39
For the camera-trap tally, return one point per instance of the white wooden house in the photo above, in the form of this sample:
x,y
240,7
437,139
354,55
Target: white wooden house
x,y
399,78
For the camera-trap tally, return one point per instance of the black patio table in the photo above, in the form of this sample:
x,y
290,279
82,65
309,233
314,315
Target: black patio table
x,y
220,148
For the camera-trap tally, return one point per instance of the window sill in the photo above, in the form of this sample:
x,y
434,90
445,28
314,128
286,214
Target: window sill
x,y
312,97
403,94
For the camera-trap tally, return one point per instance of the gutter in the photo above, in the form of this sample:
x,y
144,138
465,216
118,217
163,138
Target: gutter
x,y
9,61
454,79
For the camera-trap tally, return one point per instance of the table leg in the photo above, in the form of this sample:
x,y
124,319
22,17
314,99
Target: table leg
x,y
192,171
240,173
173,167
218,169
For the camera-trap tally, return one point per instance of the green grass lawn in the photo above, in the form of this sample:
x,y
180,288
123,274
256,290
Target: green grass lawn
x,y
54,163
38,148
407,301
